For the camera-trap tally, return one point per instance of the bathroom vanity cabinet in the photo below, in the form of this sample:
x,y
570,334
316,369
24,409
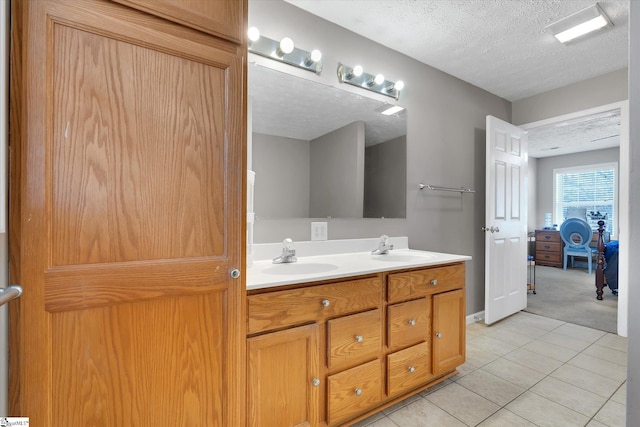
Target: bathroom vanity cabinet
x,y
331,353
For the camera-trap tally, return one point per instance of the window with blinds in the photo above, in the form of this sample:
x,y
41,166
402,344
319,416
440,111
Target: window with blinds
x,y
589,192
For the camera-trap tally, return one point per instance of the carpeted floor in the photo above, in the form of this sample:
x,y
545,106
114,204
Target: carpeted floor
x,y
570,296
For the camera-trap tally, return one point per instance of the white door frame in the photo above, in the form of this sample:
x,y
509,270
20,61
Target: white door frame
x,y
623,198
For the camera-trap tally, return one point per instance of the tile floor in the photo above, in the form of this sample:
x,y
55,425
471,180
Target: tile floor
x,y
526,370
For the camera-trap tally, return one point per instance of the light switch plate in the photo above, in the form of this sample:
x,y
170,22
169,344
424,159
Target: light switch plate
x,y
319,230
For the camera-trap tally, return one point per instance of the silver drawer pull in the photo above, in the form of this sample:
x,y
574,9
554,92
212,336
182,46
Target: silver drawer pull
x,y
326,302
359,338
358,392
438,335
434,282
315,382
412,322
411,369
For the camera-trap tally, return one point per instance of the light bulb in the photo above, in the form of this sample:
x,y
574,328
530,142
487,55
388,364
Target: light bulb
x,y
357,70
379,79
316,55
254,34
286,46
399,85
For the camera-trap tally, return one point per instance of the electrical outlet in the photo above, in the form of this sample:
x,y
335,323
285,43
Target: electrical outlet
x,y
319,230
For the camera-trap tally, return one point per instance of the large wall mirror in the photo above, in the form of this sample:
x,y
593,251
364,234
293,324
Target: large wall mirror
x,y
319,151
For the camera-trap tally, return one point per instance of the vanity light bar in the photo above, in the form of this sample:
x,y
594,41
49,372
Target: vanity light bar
x,y
284,51
376,83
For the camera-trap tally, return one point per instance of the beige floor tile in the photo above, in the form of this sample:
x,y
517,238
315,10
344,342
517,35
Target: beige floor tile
x,y
525,330
491,345
544,412
599,366
553,351
370,420
613,414
565,341
424,413
533,360
478,328
465,369
383,422
402,404
535,321
607,353
463,404
435,387
587,380
517,374
580,332
615,342
620,396
594,423
479,357
571,396
510,336
504,418
491,387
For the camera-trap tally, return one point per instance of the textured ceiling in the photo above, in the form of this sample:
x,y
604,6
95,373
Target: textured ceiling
x,y
501,46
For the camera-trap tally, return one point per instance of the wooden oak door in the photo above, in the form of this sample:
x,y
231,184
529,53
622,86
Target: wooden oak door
x,y
128,222
449,324
283,378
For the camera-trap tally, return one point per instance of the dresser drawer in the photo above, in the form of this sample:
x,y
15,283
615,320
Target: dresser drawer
x,y
544,246
547,236
284,308
408,323
354,339
353,391
416,284
409,368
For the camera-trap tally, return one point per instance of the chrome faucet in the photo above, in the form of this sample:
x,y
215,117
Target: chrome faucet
x,y
383,246
288,254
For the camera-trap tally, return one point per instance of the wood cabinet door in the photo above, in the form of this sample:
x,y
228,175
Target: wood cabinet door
x,y
283,378
449,325
128,222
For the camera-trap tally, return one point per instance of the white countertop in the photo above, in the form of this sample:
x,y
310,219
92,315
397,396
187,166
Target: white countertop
x,y
265,274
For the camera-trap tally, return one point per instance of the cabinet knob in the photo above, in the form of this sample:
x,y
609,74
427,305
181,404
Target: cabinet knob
x,y
326,303
358,391
412,322
434,282
438,335
359,338
411,369
235,273
315,382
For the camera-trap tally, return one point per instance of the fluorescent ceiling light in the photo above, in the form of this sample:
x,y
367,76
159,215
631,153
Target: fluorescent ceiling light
x,y
392,110
580,23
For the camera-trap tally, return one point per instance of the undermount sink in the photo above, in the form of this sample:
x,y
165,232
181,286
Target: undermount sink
x,y
299,268
391,257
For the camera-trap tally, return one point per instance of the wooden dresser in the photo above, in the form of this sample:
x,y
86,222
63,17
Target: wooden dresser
x,y
548,248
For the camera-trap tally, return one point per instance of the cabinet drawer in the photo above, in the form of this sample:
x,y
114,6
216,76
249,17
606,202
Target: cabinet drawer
x,y
548,236
548,246
354,339
415,284
549,258
283,308
409,368
408,323
353,391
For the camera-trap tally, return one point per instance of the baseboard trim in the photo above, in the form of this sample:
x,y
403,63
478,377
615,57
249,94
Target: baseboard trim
x,y
475,317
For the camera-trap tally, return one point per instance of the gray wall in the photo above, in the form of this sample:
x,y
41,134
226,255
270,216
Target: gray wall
x,y
445,141
337,173
601,90
280,191
545,167
633,368
385,179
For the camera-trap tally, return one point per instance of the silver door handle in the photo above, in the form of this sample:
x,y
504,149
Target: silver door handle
x,y
12,292
491,229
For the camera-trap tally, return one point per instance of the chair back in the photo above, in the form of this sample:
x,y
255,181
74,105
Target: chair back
x,y
576,232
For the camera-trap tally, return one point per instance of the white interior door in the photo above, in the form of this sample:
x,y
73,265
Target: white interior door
x,y
505,220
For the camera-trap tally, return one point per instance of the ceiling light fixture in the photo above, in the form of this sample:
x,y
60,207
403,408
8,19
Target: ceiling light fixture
x,y
578,24
392,110
284,51
376,83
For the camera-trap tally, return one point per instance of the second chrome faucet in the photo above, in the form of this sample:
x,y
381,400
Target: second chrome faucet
x,y
383,246
288,253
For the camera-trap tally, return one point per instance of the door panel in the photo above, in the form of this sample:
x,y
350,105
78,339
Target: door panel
x,y
131,219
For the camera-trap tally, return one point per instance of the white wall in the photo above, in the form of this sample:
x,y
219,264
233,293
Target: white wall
x,y
445,141
633,367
